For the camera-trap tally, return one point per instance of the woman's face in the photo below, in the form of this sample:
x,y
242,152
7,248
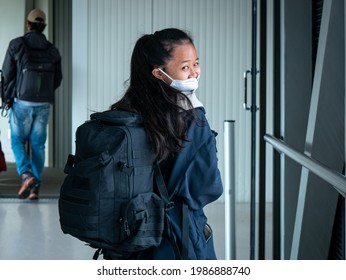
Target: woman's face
x,y
183,65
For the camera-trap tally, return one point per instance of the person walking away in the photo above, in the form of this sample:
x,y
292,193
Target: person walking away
x,y
32,73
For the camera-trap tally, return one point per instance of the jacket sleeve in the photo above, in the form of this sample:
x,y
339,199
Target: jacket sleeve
x,y
10,71
202,177
195,176
58,71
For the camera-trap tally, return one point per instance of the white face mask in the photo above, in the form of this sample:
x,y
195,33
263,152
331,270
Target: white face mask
x,y
185,86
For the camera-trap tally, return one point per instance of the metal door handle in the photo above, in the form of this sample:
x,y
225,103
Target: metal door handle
x,y
246,107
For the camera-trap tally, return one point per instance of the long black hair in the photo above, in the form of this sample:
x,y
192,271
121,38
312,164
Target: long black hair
x,y
157,102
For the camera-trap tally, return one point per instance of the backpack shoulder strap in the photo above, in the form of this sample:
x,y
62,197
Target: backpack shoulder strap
x,y
183,254
23,40
185,231
27,47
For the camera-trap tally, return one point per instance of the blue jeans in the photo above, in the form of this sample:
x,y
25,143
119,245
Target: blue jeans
x,y
29,123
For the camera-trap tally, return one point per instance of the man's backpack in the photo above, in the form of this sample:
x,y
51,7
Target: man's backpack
x,y
35,81
114,197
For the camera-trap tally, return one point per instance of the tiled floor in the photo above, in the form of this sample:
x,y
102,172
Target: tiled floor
x,y
31,231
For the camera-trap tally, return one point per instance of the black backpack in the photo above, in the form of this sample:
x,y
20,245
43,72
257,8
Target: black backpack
x,y
35,80
114,197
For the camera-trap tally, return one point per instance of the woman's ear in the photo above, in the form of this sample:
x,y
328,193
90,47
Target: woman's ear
x,y
157,74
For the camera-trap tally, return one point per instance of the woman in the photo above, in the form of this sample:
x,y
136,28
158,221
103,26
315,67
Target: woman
x,y
164,76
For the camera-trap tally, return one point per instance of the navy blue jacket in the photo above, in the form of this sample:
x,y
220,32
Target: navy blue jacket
x,y
193,177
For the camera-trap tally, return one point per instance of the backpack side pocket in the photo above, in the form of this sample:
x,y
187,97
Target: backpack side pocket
x,y
142,222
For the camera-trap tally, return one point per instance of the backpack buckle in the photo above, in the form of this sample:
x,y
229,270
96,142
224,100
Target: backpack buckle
x,y
169,206
126,227
125,168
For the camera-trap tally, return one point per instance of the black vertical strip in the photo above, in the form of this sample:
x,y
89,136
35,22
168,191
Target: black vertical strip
x,y
62,39
317,8
253,131
337,243
277,121
262,129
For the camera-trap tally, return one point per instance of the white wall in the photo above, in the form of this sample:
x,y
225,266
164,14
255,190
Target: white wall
x,y
9,29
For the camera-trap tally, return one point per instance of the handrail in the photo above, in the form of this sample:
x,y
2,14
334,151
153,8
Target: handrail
x,y
329,175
